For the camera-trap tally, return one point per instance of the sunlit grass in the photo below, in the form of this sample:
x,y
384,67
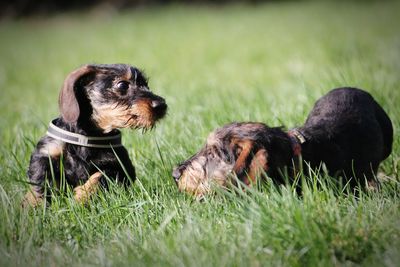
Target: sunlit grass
x,y
264,63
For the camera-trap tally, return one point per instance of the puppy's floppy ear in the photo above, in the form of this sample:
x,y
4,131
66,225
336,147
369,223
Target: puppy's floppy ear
x,y
68,103
241,149
258,165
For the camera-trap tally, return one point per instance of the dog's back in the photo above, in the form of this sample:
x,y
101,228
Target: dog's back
x,y
348,130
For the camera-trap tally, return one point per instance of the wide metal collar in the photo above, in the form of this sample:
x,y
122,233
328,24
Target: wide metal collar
x,y
83,140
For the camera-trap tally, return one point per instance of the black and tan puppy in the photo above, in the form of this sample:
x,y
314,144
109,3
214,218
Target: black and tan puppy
x,y
94,101
347,130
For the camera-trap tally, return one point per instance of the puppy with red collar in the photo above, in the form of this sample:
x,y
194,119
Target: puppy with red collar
x,y
347,130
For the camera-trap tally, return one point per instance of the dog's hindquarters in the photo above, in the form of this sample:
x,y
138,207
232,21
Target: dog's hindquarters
x,y
349,132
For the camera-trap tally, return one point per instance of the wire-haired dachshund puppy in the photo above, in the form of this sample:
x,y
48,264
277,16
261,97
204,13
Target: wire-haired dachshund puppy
x,y
347,130
83,145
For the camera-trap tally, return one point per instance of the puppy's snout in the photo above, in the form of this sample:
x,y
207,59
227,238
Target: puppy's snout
x,y
176,173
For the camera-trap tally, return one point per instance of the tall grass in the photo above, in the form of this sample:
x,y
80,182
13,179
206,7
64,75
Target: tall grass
x,y
264,63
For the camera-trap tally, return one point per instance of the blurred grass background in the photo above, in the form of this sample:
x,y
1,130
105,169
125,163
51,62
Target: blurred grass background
x,y
214,64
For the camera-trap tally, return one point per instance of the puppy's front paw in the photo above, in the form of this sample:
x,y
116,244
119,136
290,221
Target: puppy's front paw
x,y
83,192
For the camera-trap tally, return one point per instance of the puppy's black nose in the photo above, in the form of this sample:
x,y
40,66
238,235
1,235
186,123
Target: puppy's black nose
x,y
176,173
159,106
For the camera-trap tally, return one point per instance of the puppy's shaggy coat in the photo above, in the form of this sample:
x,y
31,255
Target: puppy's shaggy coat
x,y
94,101
347,130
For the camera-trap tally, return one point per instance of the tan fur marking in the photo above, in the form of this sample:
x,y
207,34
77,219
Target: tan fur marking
x,y
190,184
53,148
128,75
190,179
258,164
245,147
144,112
194,180
83,192
109,117
201,176
213,140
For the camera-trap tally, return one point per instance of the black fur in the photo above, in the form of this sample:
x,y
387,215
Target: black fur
x,y
348,131
78,163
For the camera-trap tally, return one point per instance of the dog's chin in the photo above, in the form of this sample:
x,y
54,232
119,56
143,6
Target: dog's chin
x,y
141,122
194,186
200,186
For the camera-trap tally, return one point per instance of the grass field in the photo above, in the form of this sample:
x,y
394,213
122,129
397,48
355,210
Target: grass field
x,y
213,65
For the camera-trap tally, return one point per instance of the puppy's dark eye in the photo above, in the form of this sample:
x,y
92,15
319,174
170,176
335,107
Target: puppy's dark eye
x,y
238,150
123,85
